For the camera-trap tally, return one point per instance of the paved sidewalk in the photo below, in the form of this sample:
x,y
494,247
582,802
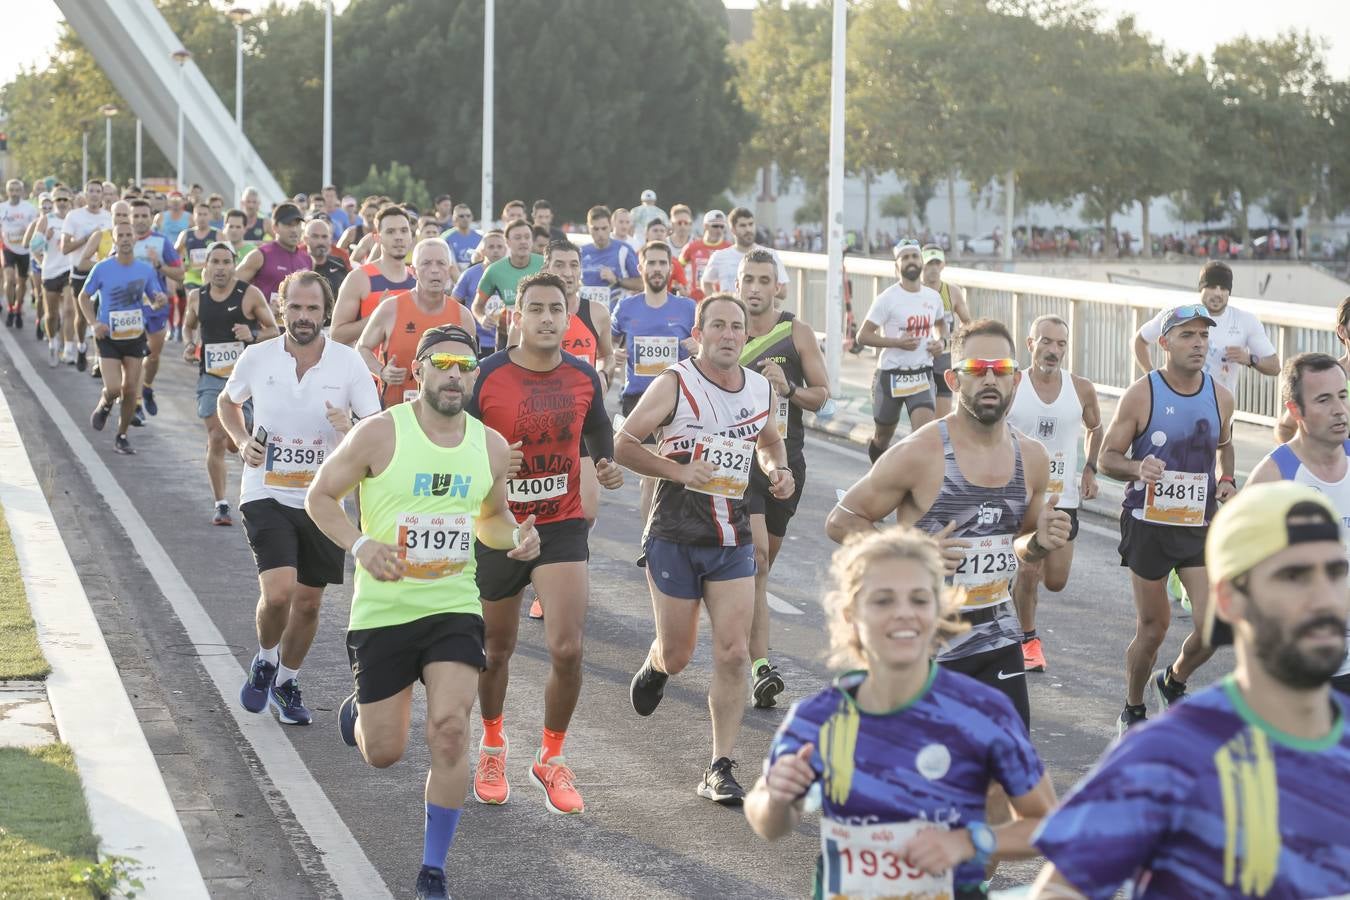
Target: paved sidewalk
x,y
129,805
852,421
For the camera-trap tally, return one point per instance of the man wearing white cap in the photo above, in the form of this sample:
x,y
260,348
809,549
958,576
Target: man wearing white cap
x,y
694,255
724,264
647,213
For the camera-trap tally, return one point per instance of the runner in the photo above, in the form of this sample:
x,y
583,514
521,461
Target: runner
x,y
720,273
541,216
903,322
1049,405
656,329
659,231
319,245
783,349
415,612
715,420
501,278
534,395
695,254
493,248
355,240
901,752
388,276
1314,389
175,220
255,228
155,249
390,341
270,263
297,422
127,288
15,216
1250,805
623,229
35,239
647,212
56,265
231,315
233,233
608,267
1174,422
681,230
954,313
462,238
192,245
1287,427
979,487
77,228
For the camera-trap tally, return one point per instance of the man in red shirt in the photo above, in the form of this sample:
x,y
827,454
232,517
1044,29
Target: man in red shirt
x,y
543,403
694,256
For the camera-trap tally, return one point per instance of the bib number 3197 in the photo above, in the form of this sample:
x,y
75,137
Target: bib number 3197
x,y
434,546
731,458
868,861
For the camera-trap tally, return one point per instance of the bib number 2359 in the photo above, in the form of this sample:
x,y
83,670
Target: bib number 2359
x,y
293,463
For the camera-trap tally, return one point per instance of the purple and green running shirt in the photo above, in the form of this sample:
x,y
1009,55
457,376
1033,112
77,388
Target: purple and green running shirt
x,y
1209,801
927,763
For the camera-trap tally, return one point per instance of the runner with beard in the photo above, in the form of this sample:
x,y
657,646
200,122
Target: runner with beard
x,y
367,286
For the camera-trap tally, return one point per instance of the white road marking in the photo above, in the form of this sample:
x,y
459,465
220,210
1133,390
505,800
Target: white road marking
x,y
340,854
779,605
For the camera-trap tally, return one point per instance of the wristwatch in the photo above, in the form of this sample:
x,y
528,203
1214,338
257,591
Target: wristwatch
x,y
792,389
982,837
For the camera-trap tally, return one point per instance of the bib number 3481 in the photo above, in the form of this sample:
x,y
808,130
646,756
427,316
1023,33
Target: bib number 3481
x,y
868,861
1178,498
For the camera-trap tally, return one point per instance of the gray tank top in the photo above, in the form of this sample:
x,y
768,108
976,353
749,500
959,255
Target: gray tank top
x,y
989,518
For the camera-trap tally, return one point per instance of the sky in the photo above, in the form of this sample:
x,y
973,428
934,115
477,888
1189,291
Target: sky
x,y
1193,26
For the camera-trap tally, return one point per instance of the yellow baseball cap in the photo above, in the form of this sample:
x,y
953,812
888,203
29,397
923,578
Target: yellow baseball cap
x,y
1254,526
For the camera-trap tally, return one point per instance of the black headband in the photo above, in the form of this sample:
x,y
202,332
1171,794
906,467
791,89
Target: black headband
x,y
442,333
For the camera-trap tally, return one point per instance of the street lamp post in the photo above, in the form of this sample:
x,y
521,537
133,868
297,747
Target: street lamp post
x,y
84,160
328,92
138,152
239,16
834,290
489,52
180,56
108,110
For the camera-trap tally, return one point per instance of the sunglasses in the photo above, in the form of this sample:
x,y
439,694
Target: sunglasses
x,y
1189,312
447,361
979,367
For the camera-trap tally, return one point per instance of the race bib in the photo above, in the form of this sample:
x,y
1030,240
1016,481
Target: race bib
x,y
732,458
540,487
197,256
907,384
434,546
784,406
293,462
868,861
220,358
126,324
409,394
599,294
1178,498
1057,467
986,570
655,354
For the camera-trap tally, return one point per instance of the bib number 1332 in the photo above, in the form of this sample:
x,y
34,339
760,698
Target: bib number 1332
x,y
732,458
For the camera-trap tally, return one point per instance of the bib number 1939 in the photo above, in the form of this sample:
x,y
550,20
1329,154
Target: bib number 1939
x,y
868,861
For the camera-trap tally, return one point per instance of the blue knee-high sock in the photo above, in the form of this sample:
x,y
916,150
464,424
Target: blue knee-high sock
x,y
440,833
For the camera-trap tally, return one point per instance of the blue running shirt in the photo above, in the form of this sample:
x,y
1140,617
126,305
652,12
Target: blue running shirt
x,y
652,335
931,761
618,257
124,295
1209,801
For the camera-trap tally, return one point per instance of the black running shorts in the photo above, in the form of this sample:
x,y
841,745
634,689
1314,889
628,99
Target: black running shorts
x,y
777,513
1151,551
500,577
1003,670
17,261
135,348
282,536
387,660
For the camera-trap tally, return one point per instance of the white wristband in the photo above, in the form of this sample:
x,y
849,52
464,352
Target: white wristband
x,y
515,536
359,541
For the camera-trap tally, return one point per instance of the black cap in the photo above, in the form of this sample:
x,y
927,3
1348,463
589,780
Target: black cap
x,y
1216,274
442,333
287,214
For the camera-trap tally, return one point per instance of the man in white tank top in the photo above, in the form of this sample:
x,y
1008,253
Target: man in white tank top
x,y
1048,405
1314,389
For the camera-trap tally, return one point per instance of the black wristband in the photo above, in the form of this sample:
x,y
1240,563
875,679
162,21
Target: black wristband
x,y
792,389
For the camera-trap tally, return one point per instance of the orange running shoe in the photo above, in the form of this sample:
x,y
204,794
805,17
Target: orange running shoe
x,y
536,611
1033,655
557,780
489,779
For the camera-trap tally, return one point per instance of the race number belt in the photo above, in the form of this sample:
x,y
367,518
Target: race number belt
x,y
197,256
539,487
220,358
598,293
784,407
731,458
986,570
1177,498
1057,467
434,546
868,861
908,382
126,324
293,462
655,354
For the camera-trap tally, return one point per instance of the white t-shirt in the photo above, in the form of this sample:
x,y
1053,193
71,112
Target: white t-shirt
x,y
14,221
900,313
300,436
722,266
54,262
80,223
1234,328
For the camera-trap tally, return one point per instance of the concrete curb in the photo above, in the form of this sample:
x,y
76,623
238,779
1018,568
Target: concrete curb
x,y
129,805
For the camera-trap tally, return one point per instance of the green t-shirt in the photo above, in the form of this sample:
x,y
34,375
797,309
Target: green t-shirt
x,y
501,279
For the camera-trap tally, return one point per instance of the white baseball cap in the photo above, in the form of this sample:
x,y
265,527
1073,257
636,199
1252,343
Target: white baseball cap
x,y
648,194
714,217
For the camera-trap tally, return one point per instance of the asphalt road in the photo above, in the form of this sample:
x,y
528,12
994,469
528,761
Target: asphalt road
x,y
253,796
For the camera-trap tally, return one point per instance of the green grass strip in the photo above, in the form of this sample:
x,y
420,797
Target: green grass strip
x,y
45,836
20,657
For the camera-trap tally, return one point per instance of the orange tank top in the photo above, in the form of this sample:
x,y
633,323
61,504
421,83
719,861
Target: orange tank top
x,y
381,287
409,323
580,339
